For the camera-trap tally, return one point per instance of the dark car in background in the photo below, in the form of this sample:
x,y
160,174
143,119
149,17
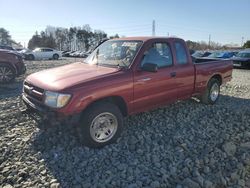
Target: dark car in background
x,y
222,55
67,53
4,47
197,54
11,66
242,59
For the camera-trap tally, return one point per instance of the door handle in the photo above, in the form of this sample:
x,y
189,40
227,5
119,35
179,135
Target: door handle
x,y
144,80
173,74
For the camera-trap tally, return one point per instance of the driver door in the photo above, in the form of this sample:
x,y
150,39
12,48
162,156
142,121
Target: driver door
x,y
153,89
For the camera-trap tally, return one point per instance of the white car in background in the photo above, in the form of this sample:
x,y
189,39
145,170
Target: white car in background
x,y
43,53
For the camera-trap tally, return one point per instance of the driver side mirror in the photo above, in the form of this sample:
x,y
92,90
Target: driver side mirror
x,y
150,67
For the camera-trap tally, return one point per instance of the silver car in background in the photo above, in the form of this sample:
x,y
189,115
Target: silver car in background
x,y
43,53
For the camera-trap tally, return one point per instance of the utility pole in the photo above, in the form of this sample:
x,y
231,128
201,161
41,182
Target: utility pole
x,y
209,41
168,34
242,41
153,28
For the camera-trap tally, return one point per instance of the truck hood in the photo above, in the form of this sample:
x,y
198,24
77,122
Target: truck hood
x,y
60,78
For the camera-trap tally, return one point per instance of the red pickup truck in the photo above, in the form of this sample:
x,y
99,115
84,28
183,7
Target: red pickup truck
x,y
123,77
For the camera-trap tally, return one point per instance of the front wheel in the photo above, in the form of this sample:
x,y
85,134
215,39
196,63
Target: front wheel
x,y
212,92
7,73
100,125
55,56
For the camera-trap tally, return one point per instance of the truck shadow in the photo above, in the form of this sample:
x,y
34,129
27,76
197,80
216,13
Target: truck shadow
x,y
13,89
151,144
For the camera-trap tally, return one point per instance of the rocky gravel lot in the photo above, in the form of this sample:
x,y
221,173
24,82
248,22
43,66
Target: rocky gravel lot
x,y
186,144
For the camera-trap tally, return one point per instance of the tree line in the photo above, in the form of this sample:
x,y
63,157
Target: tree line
x,y
73,38
202,45
84,38
5,38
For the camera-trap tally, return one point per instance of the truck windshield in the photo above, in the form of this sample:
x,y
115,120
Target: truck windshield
x,y
114,53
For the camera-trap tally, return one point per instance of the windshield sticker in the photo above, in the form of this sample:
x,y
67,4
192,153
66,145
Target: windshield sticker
x,y
130,44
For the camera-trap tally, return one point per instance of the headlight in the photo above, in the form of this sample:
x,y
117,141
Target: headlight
x,y
56,100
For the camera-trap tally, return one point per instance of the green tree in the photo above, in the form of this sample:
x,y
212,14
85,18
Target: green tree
x,y
73,38
60,37
114,37
247,44
42,40
35,41
5,37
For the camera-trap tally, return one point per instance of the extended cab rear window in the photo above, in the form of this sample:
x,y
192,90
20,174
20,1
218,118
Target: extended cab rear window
x,y
181,55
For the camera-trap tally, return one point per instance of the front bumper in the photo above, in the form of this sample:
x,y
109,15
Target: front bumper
x,y
47,113
39,109
31,105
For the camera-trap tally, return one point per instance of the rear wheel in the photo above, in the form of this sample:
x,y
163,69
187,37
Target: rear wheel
x,y
100,125
212,92
55,56
7,73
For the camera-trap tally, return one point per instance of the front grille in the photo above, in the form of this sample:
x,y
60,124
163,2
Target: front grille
x,y
33,92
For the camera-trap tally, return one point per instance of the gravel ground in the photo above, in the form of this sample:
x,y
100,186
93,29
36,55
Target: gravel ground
x,y
186,144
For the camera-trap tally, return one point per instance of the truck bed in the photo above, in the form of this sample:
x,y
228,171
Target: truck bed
x,y
205,68
204,59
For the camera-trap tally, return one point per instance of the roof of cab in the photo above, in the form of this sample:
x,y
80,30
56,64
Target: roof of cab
x,y
144,39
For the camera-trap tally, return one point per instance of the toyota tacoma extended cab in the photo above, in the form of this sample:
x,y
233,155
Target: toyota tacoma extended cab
x,y
123,77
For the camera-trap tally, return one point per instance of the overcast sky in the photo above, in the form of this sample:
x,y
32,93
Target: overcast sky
x,y
226,21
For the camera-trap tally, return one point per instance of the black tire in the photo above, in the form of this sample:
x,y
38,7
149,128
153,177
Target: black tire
x,y
7,73
90,115
31,57
55,56
208,97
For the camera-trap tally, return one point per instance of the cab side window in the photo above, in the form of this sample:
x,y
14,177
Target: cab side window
x,y
159,54
181,55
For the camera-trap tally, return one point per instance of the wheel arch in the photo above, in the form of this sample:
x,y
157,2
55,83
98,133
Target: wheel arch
x,y
117,100
216,76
